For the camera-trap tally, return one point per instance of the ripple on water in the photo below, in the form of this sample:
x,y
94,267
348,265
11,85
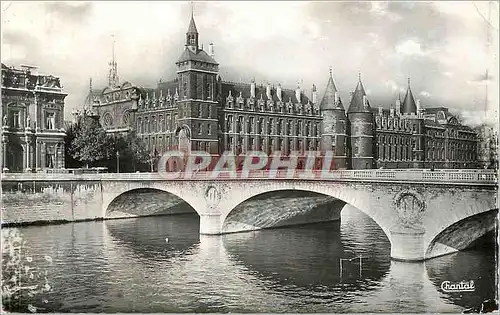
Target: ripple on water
x,y
126,266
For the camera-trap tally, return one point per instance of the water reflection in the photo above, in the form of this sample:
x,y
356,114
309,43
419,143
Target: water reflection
x,y
127,266
147,237
476,264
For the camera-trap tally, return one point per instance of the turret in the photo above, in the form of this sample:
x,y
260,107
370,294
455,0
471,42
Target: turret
x,y
333,126
409,106
361,128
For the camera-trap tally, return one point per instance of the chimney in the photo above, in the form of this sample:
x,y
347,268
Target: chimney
x,y
314,94
211,51
268,90
398,107
278,92
252,88
297,93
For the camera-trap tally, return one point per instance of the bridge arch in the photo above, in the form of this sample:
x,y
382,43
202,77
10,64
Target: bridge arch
x,y
116,199
462,233
345,194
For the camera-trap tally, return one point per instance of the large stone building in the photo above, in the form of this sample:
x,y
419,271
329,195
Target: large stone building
x,y
198,110
32,120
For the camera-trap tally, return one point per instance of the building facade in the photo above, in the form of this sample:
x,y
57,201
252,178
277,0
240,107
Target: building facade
x,y
487,147
198,110
32,120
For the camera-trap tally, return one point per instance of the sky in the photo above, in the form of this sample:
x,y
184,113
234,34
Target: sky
x,y
442,46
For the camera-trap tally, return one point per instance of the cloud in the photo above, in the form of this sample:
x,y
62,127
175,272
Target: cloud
x,y
425,94
410,47
440,48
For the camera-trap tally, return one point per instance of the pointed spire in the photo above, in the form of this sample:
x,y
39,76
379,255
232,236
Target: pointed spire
x,y
330,98
192,25
113,80
359,100
192,33
409,105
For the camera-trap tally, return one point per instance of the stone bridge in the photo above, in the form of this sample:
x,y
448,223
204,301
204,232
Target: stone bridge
x,y
424,214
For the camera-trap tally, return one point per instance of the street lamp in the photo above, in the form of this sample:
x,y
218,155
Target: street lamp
x,y
117,162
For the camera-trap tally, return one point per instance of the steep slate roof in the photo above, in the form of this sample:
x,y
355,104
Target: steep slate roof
x,y
357,105
244,88
328,101
409,105
201,55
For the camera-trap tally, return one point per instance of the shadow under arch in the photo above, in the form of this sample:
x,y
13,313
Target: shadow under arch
x,y
142,202
462,234
305,260
280,207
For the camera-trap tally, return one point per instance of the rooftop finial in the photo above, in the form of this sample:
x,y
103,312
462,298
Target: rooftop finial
x,y
330,71
192,9
359,76
408,82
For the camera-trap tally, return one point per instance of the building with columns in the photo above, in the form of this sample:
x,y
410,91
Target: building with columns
x,y
32,120
198,110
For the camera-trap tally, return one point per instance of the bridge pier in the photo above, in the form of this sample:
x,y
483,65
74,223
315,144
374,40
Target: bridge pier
x,y
210,224
407,244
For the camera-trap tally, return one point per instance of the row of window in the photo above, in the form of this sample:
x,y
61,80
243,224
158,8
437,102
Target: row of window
x,y
239,145
395,124
270,125
15,121
151,125
270,106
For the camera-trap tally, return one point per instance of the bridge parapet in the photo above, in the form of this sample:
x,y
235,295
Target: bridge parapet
x,y
455,177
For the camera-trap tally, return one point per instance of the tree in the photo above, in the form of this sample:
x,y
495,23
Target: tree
x,y
132,152
91,143
71,131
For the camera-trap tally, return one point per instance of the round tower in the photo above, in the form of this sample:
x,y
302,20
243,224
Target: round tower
x,y
333,125
361,130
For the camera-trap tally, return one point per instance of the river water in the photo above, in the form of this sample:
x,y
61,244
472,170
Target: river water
x,y
129,266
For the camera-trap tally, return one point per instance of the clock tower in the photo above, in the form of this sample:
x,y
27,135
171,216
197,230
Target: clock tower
x,y
197,74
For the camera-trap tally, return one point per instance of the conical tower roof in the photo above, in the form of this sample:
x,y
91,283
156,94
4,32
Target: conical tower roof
x,y
357,100
409,105
328,101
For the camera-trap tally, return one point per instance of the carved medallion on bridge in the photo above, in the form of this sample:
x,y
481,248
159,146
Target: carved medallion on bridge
x,y
410,206
212,196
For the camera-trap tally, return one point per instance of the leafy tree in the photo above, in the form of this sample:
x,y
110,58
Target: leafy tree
x,y
71,131
132,153
91,143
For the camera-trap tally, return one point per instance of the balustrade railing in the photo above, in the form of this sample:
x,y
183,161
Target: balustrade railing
x,y
485,177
